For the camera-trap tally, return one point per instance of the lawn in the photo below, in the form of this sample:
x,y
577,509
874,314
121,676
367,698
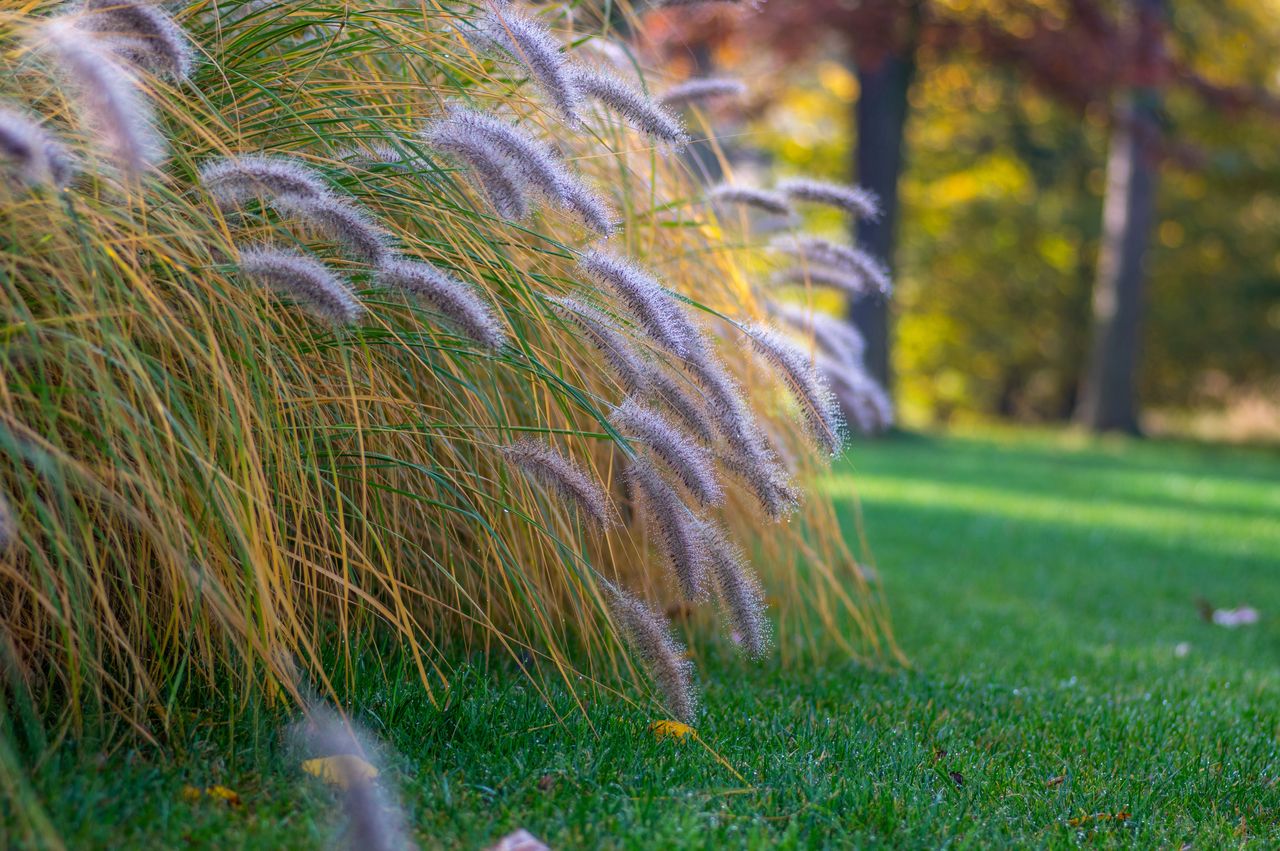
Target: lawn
x,y
1064,691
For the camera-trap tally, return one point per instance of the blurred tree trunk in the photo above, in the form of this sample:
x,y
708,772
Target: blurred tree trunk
x,y
1107,397
881,115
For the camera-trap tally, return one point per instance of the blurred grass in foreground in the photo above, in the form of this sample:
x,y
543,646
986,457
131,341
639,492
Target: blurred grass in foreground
x,y
1042,586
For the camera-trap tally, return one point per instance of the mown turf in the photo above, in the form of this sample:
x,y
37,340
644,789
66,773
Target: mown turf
x,y
1042,587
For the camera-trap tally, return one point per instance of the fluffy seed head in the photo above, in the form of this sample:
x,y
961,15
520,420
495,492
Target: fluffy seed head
x,y
854,200
235,180
601,332
106,95
374,820
141,33
739,591
638,109
650,637
853,284
749,196
702,89
591,209
539,167
494,172
839,339
451,298
841,258
657,312
340,221
303,279
667,392
35,155
794,366
865,402
690,462
534,47
569,480
674,526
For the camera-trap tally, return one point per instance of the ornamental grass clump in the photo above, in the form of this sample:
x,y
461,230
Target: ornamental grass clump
x,y
219,483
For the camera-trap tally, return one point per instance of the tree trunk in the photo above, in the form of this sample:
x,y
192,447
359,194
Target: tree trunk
x,y
881,114
1107,396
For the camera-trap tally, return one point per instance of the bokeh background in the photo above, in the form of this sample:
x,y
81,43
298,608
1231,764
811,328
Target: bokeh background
x,y
1083,210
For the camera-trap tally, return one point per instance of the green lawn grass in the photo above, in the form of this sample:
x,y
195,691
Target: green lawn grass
x,y
1040,584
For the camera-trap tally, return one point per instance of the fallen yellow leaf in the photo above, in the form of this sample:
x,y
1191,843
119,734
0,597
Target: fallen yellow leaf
x,y
191,793
342,770
220,793
672,730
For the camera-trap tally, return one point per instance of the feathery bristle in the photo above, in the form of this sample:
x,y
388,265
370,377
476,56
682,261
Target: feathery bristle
x,y
235,180
855,284
807,386
495,174
649,635
837,337
739,591
861,396
854,261
637,108
728,408
666,391
591,209
374,820
538,166
603,334
674,525
36,155
854,200
658,313
691,463
142,33
449,297
750,196
305,280
106,95
701,89
534,47
573,484
766,480
340,221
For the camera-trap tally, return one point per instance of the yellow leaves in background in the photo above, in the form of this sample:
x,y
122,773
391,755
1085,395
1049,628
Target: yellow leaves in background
x,y
192,794
342,770
672,730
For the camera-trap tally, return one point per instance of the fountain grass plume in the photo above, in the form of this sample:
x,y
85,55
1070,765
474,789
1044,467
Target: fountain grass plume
x,y
769,202
854,200
591,209
497,177
638,109
673,524
106,95
32,151
341,221
566,478
691,463
840,339
657,312
451,298
853,261
649,635
702,89
539,167
864,401
303,279
739,591
850,283
534,47
601,332
666,391
233,181
815,399
373,818
143,34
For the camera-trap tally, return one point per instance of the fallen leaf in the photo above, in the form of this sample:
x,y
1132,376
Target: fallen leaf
x,y
672,730
192,794
545,782
939,754
957,778
342,770
1056,781
521,840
